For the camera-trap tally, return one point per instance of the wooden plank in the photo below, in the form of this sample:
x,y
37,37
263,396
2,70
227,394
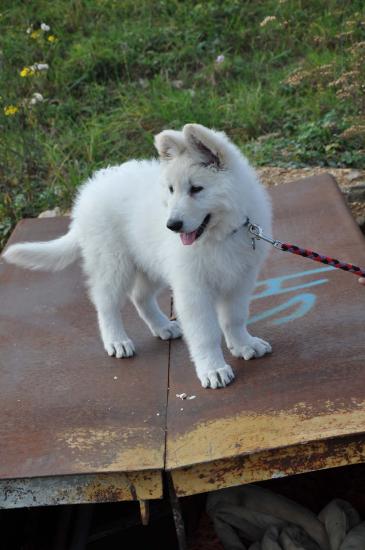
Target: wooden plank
x,y
312,388
66,407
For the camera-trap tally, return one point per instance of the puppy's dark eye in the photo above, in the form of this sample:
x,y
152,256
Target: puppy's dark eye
x,y
194,190
171,189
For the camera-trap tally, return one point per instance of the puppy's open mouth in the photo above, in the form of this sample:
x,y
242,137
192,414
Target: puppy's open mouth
x,y
190,238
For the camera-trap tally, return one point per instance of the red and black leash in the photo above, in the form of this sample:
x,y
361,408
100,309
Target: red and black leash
x,y
257,233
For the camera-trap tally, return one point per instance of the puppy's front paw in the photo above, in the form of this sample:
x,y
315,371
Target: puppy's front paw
x,y
121,349
255,347
218,378
170,331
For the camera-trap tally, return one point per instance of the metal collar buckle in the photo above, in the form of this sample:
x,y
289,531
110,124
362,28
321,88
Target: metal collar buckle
x,y
258,234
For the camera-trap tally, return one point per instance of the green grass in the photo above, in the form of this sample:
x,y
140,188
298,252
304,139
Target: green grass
x,y
121,71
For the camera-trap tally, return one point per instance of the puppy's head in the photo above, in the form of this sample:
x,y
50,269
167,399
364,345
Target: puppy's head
x,y
196,179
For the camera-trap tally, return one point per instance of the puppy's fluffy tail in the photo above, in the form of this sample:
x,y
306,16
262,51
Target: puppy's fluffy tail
x,y
48,256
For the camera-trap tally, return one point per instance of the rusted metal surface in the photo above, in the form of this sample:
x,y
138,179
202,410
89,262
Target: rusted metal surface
x,y
77,426
311,389
79,489
67,408
271,464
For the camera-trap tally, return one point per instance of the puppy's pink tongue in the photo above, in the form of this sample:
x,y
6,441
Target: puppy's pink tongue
x,y
188,238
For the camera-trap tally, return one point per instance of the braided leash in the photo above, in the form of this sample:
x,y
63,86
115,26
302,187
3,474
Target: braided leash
x,y
258,234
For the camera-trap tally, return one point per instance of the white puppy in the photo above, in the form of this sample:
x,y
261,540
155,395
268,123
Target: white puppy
x,y
179,222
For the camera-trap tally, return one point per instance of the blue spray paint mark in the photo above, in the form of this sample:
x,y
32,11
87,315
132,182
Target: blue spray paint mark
x,y
305,301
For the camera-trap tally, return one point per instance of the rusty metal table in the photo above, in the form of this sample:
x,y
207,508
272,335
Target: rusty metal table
x,y
77,426
303,407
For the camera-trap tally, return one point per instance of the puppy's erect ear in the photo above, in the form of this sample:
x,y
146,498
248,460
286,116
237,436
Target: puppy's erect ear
x,y
208,145
169,144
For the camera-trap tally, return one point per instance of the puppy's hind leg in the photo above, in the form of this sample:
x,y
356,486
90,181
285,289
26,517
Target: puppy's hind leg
x,y
109,282
143,296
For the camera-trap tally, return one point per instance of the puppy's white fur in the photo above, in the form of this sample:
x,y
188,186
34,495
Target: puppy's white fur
x,y
119,228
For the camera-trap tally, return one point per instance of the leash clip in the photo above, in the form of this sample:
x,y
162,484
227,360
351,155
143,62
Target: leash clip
x,y
258,234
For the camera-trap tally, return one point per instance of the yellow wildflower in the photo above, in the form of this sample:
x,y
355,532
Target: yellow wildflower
x,y
52,38
35,34
10,110
27,71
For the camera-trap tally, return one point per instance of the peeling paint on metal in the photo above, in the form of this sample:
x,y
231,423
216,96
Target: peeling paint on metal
x,y
113,450
250,432
45,491
260,466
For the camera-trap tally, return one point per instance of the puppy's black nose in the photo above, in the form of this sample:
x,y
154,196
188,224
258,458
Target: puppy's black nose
x,y
174,225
